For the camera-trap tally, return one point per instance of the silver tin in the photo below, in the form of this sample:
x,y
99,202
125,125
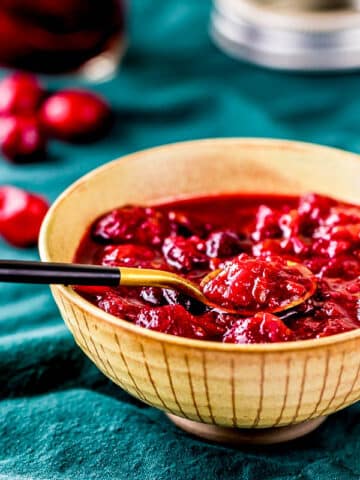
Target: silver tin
x,y
281,36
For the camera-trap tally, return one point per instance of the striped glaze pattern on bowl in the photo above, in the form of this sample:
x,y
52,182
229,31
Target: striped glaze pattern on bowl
x,y
245,386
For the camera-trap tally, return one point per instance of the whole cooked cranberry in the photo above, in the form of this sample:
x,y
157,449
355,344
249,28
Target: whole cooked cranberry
x,y
336,325
75,115
349,233
223,244
21,138
333,240
262,328
343,266
290,248
153,295
114,303
175,320
313,207
132,256
20,93
304,327
185,254
266,224
342,215
21,215
131,224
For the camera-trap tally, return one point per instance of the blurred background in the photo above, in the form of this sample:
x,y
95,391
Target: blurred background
x,y
169,70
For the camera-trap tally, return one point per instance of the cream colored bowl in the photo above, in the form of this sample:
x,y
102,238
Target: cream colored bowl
x,y
223,385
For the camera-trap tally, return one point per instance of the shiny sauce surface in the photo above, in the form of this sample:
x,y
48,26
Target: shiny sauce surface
x,y
238,232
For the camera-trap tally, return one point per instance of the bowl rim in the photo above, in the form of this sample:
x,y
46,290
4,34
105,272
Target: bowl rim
x,y
73,297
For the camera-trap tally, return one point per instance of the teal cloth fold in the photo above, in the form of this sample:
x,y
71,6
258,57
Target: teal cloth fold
x,y
60,418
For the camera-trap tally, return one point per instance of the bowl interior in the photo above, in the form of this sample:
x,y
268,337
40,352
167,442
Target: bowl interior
x,y
197,168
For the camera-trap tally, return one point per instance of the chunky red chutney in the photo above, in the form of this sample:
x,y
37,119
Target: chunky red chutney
x,y
253,240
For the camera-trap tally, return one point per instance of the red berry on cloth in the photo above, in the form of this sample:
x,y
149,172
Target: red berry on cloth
x,y
20,93
21,215
75,115
21,138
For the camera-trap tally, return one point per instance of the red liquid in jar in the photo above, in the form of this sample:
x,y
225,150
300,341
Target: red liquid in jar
x,y
192,237
50,36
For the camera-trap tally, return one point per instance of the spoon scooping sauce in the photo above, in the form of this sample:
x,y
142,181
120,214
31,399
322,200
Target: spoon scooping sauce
x,y
247,285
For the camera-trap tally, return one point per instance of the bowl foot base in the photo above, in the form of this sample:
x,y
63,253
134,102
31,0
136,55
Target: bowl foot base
x,y
246,436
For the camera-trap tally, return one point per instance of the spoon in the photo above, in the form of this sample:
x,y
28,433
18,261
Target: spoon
x,y
14,271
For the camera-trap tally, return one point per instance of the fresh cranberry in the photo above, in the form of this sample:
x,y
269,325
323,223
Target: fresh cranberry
x,y
185,254
21,138
330,248
305,327
262,328
21,215
332,241
353,287
20,93
223,244
289,248
129,224
75,115
253,284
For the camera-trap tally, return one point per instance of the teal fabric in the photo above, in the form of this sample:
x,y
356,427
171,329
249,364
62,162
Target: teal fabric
x,y
60,418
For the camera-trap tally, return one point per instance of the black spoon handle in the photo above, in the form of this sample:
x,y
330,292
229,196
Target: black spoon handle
x,y
14,271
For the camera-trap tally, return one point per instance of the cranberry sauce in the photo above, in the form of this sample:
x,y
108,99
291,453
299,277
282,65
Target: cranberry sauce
x,y
256,235
247,285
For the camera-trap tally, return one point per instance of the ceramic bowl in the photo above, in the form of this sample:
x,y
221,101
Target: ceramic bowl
x,y
252,393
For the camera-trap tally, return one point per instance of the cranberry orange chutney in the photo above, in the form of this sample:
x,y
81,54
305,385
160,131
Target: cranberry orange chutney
x,y
265,251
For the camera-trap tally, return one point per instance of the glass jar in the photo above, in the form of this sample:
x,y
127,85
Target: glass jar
x,y
299,35
64,36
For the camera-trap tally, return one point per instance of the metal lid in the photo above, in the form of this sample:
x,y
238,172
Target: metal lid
x,y
287,35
